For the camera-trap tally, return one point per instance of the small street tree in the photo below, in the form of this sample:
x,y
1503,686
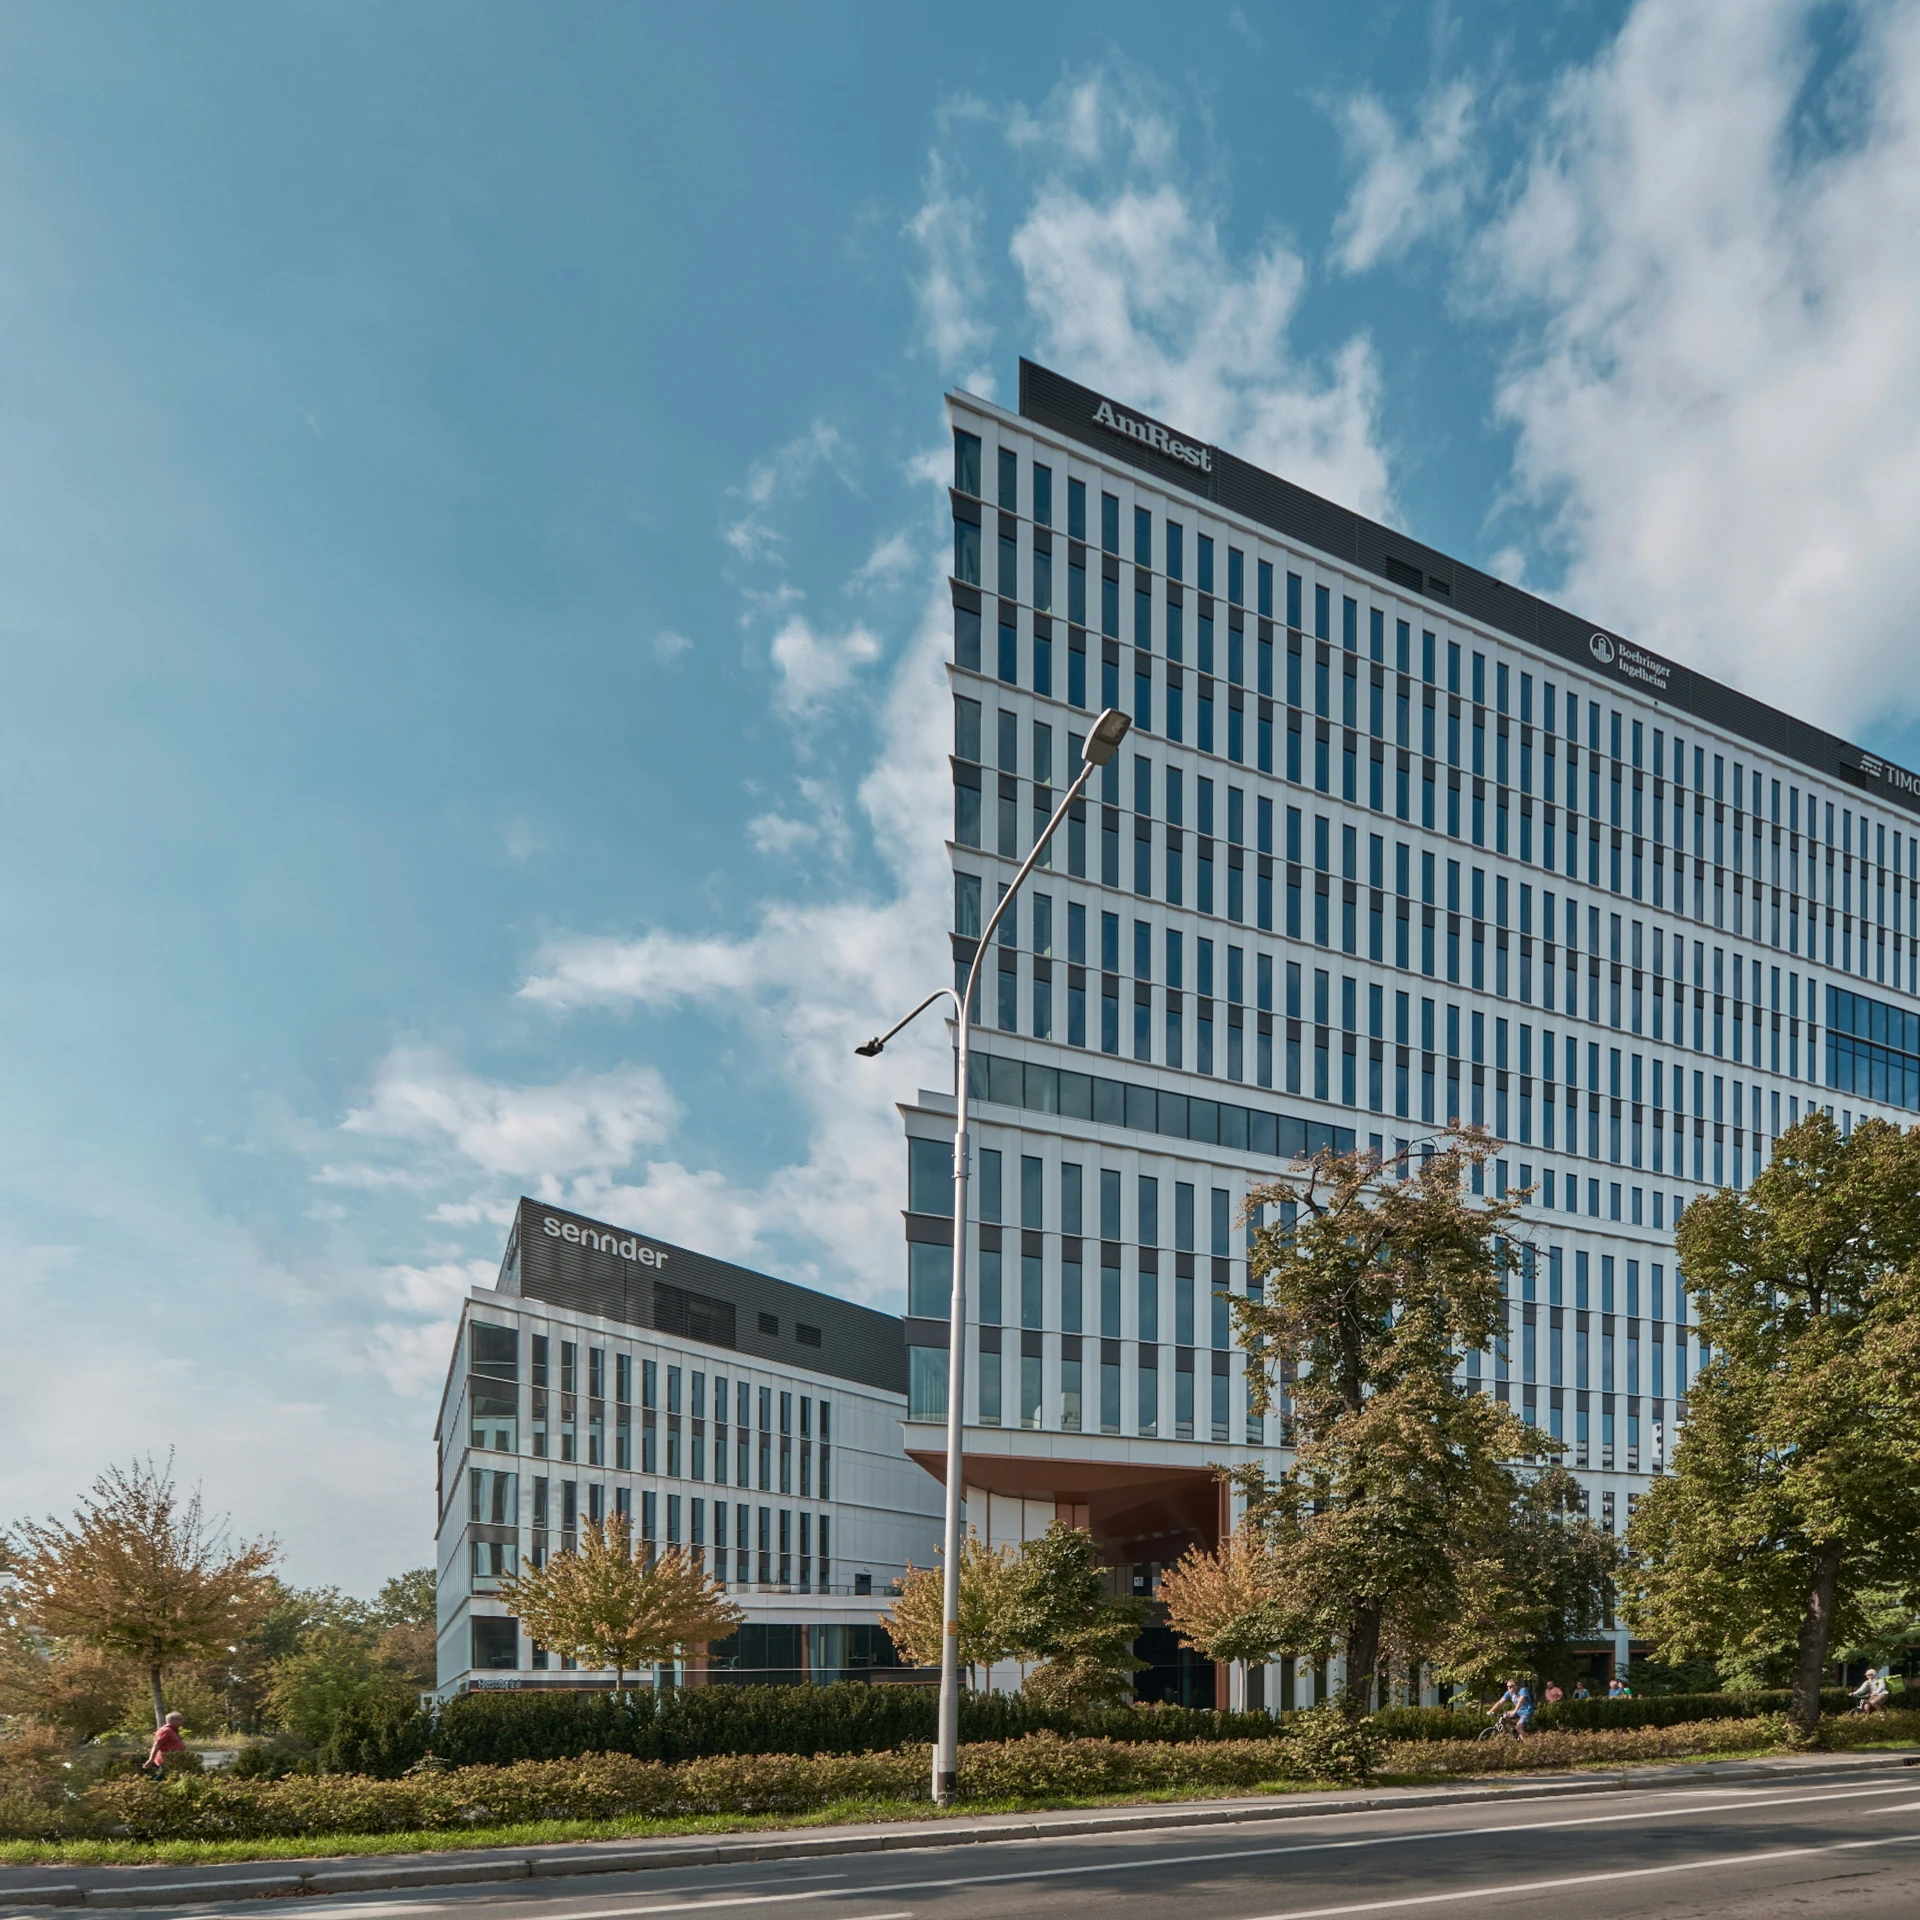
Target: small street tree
x,y
915,1619
1228,1603
1792,1515
1064,1614
1406,1485
141,1573
607,1608
1050,1602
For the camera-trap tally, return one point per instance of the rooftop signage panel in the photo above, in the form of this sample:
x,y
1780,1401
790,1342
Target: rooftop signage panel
x,y
615,1273
1177,459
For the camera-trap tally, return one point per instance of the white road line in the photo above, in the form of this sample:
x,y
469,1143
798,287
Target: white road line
x,y
1536,1887
1238,1853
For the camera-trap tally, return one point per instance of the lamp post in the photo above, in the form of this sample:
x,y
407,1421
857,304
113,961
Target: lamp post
x,y
1102,743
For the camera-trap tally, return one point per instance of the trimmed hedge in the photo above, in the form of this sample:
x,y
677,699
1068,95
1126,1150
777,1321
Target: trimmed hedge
x,y
1590,1716
1548,1751
610,1786
500,1727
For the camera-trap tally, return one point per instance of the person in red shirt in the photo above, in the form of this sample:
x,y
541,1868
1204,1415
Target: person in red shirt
x,y
166,1740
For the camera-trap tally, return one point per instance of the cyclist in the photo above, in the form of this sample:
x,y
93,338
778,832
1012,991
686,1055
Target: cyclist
x,y
1873,1693
1512,1711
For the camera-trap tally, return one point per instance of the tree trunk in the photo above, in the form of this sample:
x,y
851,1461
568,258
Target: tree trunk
x,y
1816,1630
1363,1654
159,1699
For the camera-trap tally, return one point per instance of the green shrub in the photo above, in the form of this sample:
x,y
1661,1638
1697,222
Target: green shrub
x,y
1325,1745
1571,1716
270,1760
498,1727
607,1786
1862,1729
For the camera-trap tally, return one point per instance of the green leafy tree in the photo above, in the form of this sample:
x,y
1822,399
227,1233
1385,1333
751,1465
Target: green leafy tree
x,y
1063,1613
407,1600
143,1573
1050,1603
1533,1577
607,1608
1793,1511
334,1672
1409,1492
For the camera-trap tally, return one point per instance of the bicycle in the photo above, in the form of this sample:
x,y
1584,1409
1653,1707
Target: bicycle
x,y
1507,1727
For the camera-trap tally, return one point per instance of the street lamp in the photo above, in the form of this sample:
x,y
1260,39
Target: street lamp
x,y
1102,743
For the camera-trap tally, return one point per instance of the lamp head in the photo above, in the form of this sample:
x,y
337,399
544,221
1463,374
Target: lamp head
x,y
871,1050
1104,741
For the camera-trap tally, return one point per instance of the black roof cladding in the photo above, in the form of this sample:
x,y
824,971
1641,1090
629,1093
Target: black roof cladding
x,y
1054,401
694,1296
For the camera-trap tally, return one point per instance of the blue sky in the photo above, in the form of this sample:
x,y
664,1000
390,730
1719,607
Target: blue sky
x,y
470,537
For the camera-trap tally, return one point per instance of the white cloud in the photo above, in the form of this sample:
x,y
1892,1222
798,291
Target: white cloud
x,y
670,646
1132,289
1410,185
777,833
946,228
656,970
890,562
774,833
783,475
586,1123
814,665
1713,389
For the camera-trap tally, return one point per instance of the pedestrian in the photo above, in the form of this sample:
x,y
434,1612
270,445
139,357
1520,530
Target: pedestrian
x,y
166,1740
1553,1696
1617,1689
1580,1690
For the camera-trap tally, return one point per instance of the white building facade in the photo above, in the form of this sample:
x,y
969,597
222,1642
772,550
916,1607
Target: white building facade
x,y
753,1422
1390,842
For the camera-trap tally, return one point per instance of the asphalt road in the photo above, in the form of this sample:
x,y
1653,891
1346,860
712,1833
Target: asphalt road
x,y
1846,1847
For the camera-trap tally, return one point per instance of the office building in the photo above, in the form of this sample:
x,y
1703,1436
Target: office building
x,y
752,1422
1391,842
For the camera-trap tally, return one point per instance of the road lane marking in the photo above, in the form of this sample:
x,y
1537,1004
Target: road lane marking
x,y
1205,1859
1536,1887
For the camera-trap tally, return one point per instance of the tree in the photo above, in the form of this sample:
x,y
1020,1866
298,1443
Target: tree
x,y
408,1599
1063,1613
1376,1539
1533,1577
1228,1603
604,1607
141,1573
65,1683
1793,1511
914,1622
334,1671
1048,1603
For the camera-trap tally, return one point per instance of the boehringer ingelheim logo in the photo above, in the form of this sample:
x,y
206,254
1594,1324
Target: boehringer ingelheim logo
x,y
1601,648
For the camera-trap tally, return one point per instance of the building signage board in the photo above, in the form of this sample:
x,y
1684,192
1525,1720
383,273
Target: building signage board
x,y
1631,663
624,1245
1151,434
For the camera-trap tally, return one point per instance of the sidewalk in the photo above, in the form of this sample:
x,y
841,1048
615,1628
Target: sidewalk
x,y
61,1886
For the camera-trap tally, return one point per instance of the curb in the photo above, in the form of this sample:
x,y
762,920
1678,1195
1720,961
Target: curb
x,y
600,1857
